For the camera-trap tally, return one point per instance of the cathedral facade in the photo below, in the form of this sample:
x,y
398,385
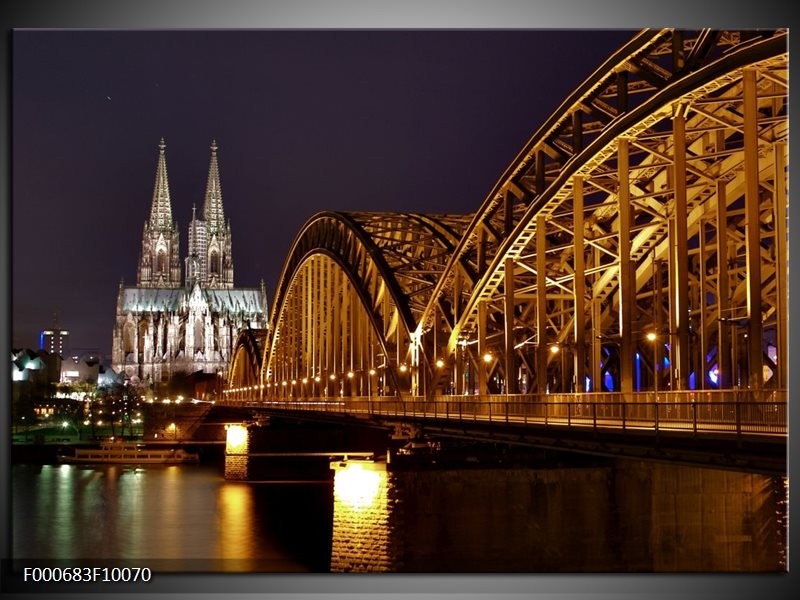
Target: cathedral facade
x,y
168,325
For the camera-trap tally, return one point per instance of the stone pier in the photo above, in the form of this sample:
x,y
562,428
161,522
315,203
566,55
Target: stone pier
x,y
237,449
366,519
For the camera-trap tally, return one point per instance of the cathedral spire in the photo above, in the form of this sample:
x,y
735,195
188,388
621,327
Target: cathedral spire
x,y
159,262
213,213
161,209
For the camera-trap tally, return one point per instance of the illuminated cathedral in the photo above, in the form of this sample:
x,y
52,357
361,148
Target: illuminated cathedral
x,y
166,325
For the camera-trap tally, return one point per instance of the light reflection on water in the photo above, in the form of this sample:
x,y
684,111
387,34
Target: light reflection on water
x,y
180,517
618,516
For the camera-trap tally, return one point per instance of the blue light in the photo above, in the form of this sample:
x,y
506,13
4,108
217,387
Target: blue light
x,y
713,375
608,379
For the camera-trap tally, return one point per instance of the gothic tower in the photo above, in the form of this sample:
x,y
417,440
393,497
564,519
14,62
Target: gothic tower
x,y
159,261
163,328
196,258
217,257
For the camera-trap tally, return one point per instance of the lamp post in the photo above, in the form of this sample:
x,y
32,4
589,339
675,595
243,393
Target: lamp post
x,y
67,424
369,387
653,337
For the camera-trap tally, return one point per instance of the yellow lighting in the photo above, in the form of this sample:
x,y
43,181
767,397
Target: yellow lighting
x,y
350,374
317,378
236,439
554,349
235,519
305,380
651,336
372,371
172,427
284,383
403,368
439,363
333,377
294,381
357,486
487,357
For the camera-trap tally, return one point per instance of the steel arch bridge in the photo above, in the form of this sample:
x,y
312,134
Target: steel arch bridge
x,y
637,243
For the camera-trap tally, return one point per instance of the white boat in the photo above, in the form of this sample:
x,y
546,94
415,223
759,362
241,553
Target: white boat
x,y
130,454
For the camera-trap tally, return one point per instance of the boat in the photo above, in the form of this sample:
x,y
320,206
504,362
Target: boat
x,y
126,453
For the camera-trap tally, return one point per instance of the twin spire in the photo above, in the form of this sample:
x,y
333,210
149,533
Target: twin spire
x,y
209,261
161,209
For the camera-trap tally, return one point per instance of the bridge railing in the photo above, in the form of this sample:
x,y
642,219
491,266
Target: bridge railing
x,y
745,411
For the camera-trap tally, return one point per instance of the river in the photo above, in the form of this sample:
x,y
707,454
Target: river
x,y
604,516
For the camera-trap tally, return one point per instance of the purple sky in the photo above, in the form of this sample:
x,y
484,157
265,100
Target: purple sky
x,y
418,121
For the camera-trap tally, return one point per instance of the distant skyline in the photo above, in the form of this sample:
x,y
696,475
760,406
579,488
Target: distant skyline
x,y
370,120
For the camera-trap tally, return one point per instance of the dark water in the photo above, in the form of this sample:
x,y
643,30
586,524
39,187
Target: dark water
x,y
171,518
621,516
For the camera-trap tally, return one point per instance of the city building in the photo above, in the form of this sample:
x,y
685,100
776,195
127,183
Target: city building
x,y
54,340
81,368
40,367
166,325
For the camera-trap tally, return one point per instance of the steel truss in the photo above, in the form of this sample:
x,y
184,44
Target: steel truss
x,y
636,243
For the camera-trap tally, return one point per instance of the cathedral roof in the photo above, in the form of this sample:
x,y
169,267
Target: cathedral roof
x,y
235,300
137,299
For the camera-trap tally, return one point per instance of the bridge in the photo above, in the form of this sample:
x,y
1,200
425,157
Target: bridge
x,y
626,276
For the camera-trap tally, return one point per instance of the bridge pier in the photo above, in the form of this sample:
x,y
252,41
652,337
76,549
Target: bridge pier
x,y
237,449
367,519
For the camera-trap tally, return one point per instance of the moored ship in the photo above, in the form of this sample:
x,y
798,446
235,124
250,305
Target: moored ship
x,y
129,453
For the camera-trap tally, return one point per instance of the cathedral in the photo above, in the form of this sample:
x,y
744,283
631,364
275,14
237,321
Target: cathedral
x,y
167,326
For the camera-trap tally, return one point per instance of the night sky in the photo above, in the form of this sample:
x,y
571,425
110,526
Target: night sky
x,y
379,120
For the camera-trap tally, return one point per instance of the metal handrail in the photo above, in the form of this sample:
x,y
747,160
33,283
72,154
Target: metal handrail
x,y
674,411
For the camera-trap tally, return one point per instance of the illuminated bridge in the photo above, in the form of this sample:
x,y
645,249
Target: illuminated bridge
x,y
626,276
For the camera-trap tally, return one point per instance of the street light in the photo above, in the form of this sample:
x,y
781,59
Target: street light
x,y
653,337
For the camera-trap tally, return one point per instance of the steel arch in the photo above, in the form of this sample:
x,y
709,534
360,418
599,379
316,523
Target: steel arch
x,y
653,200
245,369
372,278
697,84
